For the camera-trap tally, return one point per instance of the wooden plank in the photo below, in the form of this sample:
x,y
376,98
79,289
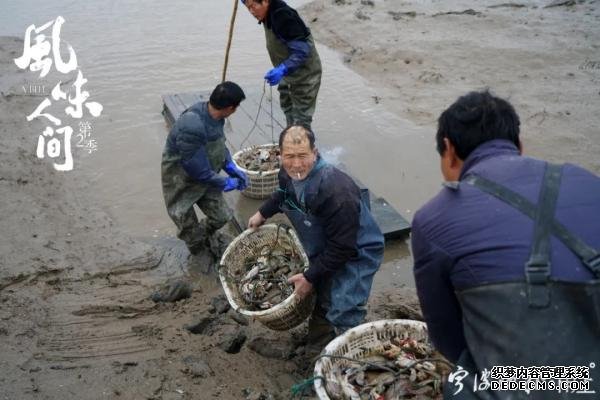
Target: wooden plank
x,y
392,224
241,130
168,109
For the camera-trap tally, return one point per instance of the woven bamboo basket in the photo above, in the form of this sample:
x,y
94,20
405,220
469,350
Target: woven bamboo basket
x,y
289,313
260,183
360,342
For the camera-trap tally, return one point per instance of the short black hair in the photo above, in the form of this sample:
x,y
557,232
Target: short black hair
x,y
226,94
475,118
309,135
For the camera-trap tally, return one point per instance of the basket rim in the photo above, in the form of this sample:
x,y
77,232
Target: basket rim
x,y
254,173
291,299
319,384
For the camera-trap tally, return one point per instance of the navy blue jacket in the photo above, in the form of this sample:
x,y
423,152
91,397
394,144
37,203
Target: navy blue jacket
x,y
188,138
464,238
289,28
338,205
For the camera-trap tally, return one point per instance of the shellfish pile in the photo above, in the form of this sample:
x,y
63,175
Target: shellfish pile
x,y
260,159
403,368
264,283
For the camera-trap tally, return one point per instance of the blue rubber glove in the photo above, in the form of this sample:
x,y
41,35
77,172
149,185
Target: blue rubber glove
x,y
233,171
242,185
231,184
275,75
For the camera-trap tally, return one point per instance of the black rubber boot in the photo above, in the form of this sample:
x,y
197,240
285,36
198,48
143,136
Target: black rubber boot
x,y
217,244
202,261
320,333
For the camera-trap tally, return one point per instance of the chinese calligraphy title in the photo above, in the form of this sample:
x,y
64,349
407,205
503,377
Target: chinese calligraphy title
x,y
36,57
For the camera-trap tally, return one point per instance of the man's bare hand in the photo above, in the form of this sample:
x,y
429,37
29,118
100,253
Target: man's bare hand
x,y
256,220
302,287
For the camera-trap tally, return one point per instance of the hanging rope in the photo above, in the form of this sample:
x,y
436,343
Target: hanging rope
x,y
272,119
229,40
257,115
231,25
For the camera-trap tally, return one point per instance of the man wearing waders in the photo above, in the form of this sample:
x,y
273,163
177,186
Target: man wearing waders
x,y
194,154
297,67
341,239
506,261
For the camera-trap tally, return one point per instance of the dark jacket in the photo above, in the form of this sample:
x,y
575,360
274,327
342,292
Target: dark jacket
x,y
464,238
337,203
289,28
189,137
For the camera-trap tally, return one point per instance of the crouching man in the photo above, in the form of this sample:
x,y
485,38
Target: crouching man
x,y
194,155
343,243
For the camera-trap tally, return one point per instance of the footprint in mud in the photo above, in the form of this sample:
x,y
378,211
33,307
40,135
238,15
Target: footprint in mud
x,y
110,309
172,292
430,77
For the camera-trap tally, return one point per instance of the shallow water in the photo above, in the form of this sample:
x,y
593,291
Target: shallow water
x,y
132,52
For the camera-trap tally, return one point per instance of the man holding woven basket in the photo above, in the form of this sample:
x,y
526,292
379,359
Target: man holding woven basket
x,y
194,154
338,233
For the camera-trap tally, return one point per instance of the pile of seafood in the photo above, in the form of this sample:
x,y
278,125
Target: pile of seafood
x,y
403,368
264,283
259,159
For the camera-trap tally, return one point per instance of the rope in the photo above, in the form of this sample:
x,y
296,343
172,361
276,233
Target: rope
x,y
257,115
229,40
272,122
300,389
231,25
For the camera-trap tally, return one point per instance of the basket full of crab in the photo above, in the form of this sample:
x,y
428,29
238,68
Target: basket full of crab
x,y
261,166
254,271
381,360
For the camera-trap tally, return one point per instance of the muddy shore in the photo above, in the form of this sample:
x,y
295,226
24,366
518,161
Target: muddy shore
x,y
76,321
76,318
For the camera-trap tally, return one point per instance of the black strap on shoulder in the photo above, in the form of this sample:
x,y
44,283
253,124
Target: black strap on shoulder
x,y
537,269
589,256
312,188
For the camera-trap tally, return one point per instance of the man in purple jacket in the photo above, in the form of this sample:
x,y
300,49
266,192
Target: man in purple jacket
x,y
506,261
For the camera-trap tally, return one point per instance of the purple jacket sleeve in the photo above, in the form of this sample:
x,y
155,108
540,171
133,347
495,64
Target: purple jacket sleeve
x,y
299,50
436,294
289,28
198,167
